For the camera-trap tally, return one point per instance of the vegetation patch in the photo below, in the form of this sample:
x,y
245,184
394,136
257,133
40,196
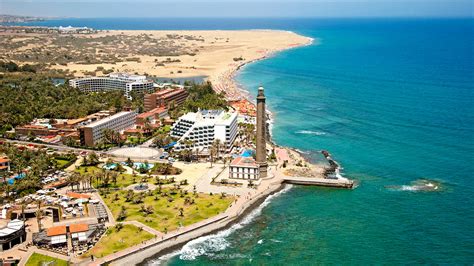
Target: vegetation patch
x,y
37,259
118,238
165,209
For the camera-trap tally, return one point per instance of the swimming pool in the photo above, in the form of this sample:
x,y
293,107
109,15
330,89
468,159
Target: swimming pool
x,y
247,153
139,165
19,176
111,166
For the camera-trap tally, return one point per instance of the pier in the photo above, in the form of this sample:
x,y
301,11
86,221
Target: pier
x,y
320,182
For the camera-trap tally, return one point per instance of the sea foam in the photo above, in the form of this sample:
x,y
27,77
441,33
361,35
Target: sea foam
x,y
423,185
310,132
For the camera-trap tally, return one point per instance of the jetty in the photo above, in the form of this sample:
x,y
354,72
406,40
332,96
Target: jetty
x,y
320,182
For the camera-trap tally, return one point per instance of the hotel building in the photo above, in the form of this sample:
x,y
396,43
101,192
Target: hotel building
x,y
116,81
93,132
244,168
164,97
203,127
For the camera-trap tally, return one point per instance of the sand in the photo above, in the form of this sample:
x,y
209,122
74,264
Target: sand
x,y
216,52
214,58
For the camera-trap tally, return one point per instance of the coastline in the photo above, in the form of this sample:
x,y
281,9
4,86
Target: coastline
x,y
276,184
226,82
232,221
236,213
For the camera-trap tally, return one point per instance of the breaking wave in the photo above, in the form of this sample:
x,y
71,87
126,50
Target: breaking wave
x,y
424,185
211,244
310,132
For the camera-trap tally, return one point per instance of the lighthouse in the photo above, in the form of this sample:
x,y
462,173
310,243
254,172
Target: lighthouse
x,y
261,156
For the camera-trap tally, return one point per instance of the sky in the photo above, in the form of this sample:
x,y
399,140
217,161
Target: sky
x,y
236,8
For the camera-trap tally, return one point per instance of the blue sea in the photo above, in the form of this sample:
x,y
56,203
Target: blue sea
x,y
393,101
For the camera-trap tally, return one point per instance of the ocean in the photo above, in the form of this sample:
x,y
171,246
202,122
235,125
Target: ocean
x,y
393,101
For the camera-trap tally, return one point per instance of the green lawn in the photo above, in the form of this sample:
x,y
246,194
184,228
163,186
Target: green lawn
x,y
88,169
61,163
37,259
166,214
114,241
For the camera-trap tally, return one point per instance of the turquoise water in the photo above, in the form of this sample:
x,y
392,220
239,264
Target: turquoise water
x,y
247,153
392,100
18,176
109,166
139,165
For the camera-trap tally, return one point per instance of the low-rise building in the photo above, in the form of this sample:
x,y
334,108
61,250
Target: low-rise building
x,y
152,116
4,164
116,81
12,234
93,132
57,236
164,98
199,130
244,168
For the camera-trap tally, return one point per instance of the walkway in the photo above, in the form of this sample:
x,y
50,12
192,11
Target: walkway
x,y
145,227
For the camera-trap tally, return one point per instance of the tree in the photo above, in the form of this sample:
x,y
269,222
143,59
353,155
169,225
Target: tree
x,y
93,159
38,215
129,196
129,162
147,128
106,178
73,179
181,212
26,96
122,214
113,176
23,206
217,145
119,226
162,140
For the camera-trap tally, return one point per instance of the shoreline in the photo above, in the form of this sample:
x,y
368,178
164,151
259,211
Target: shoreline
x,y
233,221
249,206
227,78
167,246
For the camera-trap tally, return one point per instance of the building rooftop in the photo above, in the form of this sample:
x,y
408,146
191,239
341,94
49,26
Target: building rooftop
x,y
56,230
168,92
107,119
210,117
12,227
76,228
244,162
78,195
152,112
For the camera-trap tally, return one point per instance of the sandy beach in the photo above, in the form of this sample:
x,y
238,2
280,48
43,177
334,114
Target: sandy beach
x,y
216,54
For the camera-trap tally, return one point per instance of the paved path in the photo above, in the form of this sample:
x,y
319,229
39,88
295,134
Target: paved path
x,y
146,228
203,184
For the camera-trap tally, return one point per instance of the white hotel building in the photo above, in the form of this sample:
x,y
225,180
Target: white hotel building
x,y
203,127
115,81
93,132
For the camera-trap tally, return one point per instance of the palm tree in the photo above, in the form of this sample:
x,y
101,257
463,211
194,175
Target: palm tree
x,y
38,215
217,145
23,207
72,179
113,176
147,128
212,153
